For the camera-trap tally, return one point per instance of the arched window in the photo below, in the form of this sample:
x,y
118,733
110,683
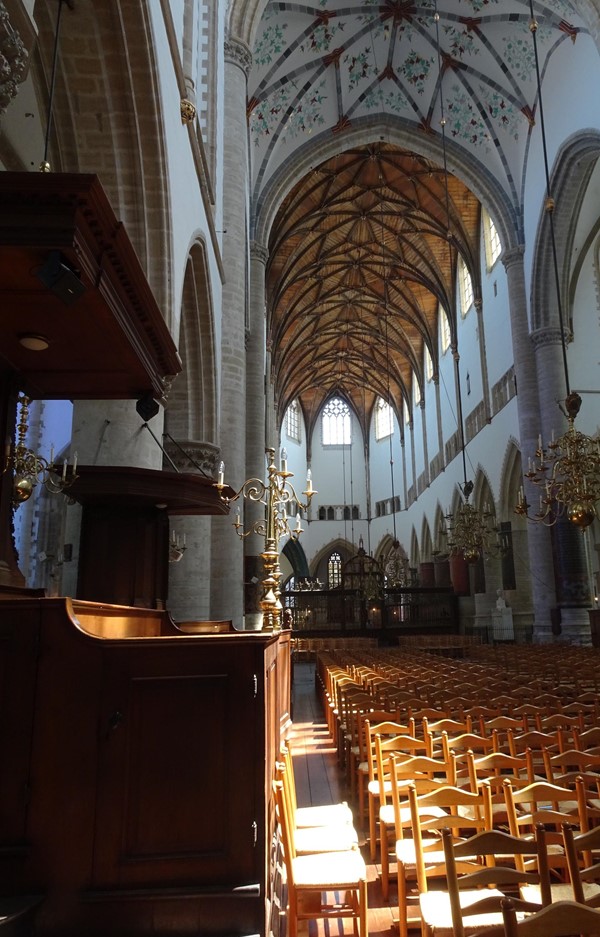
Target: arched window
x,y
384,420
445,336
292,421
428,364
334,571
336,423
493,247
465,287
416,390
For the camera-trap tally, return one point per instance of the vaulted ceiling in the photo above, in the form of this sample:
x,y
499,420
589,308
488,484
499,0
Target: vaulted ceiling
x,y
364,247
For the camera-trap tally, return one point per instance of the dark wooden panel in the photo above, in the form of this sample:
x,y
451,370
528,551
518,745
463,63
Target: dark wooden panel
x,y
18,652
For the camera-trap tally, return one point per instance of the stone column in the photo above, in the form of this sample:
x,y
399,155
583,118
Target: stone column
x,y
440,431
570,562
485,377
255,429
108,432
538,537
189,578
227,569
425,447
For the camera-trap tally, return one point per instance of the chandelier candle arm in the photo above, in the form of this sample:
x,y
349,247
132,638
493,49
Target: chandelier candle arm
x,y
30,469
276,493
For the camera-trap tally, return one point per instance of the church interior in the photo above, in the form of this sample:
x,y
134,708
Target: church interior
x,y
303,299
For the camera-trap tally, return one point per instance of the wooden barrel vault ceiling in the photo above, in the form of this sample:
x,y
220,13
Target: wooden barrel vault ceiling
x,y
360,256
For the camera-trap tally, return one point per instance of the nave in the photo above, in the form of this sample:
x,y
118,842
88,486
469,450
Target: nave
x,y
319,780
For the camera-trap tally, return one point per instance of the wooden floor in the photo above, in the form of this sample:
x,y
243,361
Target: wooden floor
x,y
320,781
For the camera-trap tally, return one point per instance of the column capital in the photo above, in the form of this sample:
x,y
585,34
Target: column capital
x,y
192,456
513,256
548,336
259,252
238,53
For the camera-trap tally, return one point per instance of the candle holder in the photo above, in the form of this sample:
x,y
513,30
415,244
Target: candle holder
x,y
30,469
276,493
177,548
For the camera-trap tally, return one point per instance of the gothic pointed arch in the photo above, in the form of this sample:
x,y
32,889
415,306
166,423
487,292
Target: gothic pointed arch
x,y
294,551
191,417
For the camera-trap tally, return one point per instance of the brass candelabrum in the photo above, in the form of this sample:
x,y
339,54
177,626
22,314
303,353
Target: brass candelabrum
x,y
567,472
30,469
471,533
276,493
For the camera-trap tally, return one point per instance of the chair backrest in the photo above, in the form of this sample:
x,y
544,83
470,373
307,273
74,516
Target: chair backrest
x,y
424,774
559,919
485,860
496,768
585,870
462,812
388,730
405,746
287,837
542,802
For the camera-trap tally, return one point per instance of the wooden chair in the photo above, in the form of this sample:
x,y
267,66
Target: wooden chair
x,y
426,774
423,857
559,919
337,837
366,756
496,768
311,878
318,815
405,741
584,872
552,806
479,871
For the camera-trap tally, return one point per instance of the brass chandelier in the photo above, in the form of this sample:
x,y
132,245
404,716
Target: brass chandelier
x,y
470,532
567,469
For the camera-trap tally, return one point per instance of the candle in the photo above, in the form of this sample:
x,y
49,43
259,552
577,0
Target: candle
x,y
74,463
52,454
298,525
184,539
237,517
64,471
309,486
221,475
283,460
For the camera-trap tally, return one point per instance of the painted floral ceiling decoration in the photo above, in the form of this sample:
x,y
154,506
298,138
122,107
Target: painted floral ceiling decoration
x,y
373,220
325,66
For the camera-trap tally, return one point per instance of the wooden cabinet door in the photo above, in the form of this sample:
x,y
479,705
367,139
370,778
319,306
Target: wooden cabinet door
x,y
19,638
182,749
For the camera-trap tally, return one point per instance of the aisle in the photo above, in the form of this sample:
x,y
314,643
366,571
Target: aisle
x,y
320,781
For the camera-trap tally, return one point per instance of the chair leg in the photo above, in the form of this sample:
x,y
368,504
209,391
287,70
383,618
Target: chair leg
x,y
363,929
292,920
373,804
385,861
402,910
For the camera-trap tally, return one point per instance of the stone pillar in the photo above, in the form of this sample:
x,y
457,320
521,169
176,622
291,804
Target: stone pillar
x,y
425,447
107,432
570,562
485,377
538,537
227,569
440,431
255,428
405,482
189,578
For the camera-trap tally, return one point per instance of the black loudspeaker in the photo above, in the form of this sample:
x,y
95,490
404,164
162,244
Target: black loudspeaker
x,y
60,278
147,407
